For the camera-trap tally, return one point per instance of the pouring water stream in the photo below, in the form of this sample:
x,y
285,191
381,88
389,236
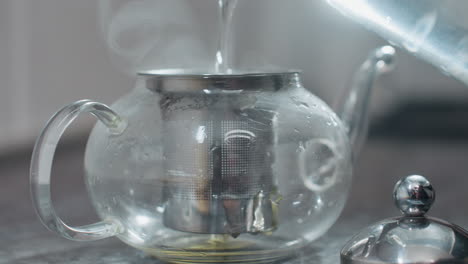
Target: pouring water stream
x,y
226,10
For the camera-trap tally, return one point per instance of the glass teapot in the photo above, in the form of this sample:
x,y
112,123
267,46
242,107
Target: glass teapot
x,y
208,167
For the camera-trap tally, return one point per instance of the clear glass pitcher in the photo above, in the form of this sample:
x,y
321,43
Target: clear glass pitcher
x,y
210,167
436,31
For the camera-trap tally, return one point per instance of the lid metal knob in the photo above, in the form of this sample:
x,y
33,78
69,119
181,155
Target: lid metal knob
x,y
413,195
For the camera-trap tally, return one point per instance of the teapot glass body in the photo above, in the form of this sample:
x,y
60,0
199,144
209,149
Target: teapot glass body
x,y
241,167
253,166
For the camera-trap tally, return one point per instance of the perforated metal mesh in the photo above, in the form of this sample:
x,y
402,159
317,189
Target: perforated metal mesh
x,y
226,159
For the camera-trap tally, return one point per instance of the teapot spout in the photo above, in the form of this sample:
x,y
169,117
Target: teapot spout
x,y
355,103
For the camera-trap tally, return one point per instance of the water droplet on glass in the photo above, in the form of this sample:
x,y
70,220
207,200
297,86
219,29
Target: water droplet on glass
x,y
444,70
333,122
301,147
298,200
295,100
393,43
305,105
160,209
300,221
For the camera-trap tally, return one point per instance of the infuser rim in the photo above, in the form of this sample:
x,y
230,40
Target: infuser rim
x,y
196,74
176,80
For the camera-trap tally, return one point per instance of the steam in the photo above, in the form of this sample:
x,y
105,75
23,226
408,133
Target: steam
x,y
151,34
193,36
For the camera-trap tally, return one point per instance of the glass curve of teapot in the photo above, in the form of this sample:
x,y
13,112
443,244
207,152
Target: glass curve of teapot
x,y
211,167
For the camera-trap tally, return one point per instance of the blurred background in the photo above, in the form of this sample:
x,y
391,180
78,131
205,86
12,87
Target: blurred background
x,y
54,52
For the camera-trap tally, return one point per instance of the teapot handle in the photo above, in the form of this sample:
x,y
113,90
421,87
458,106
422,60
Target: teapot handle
x,y
41,165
